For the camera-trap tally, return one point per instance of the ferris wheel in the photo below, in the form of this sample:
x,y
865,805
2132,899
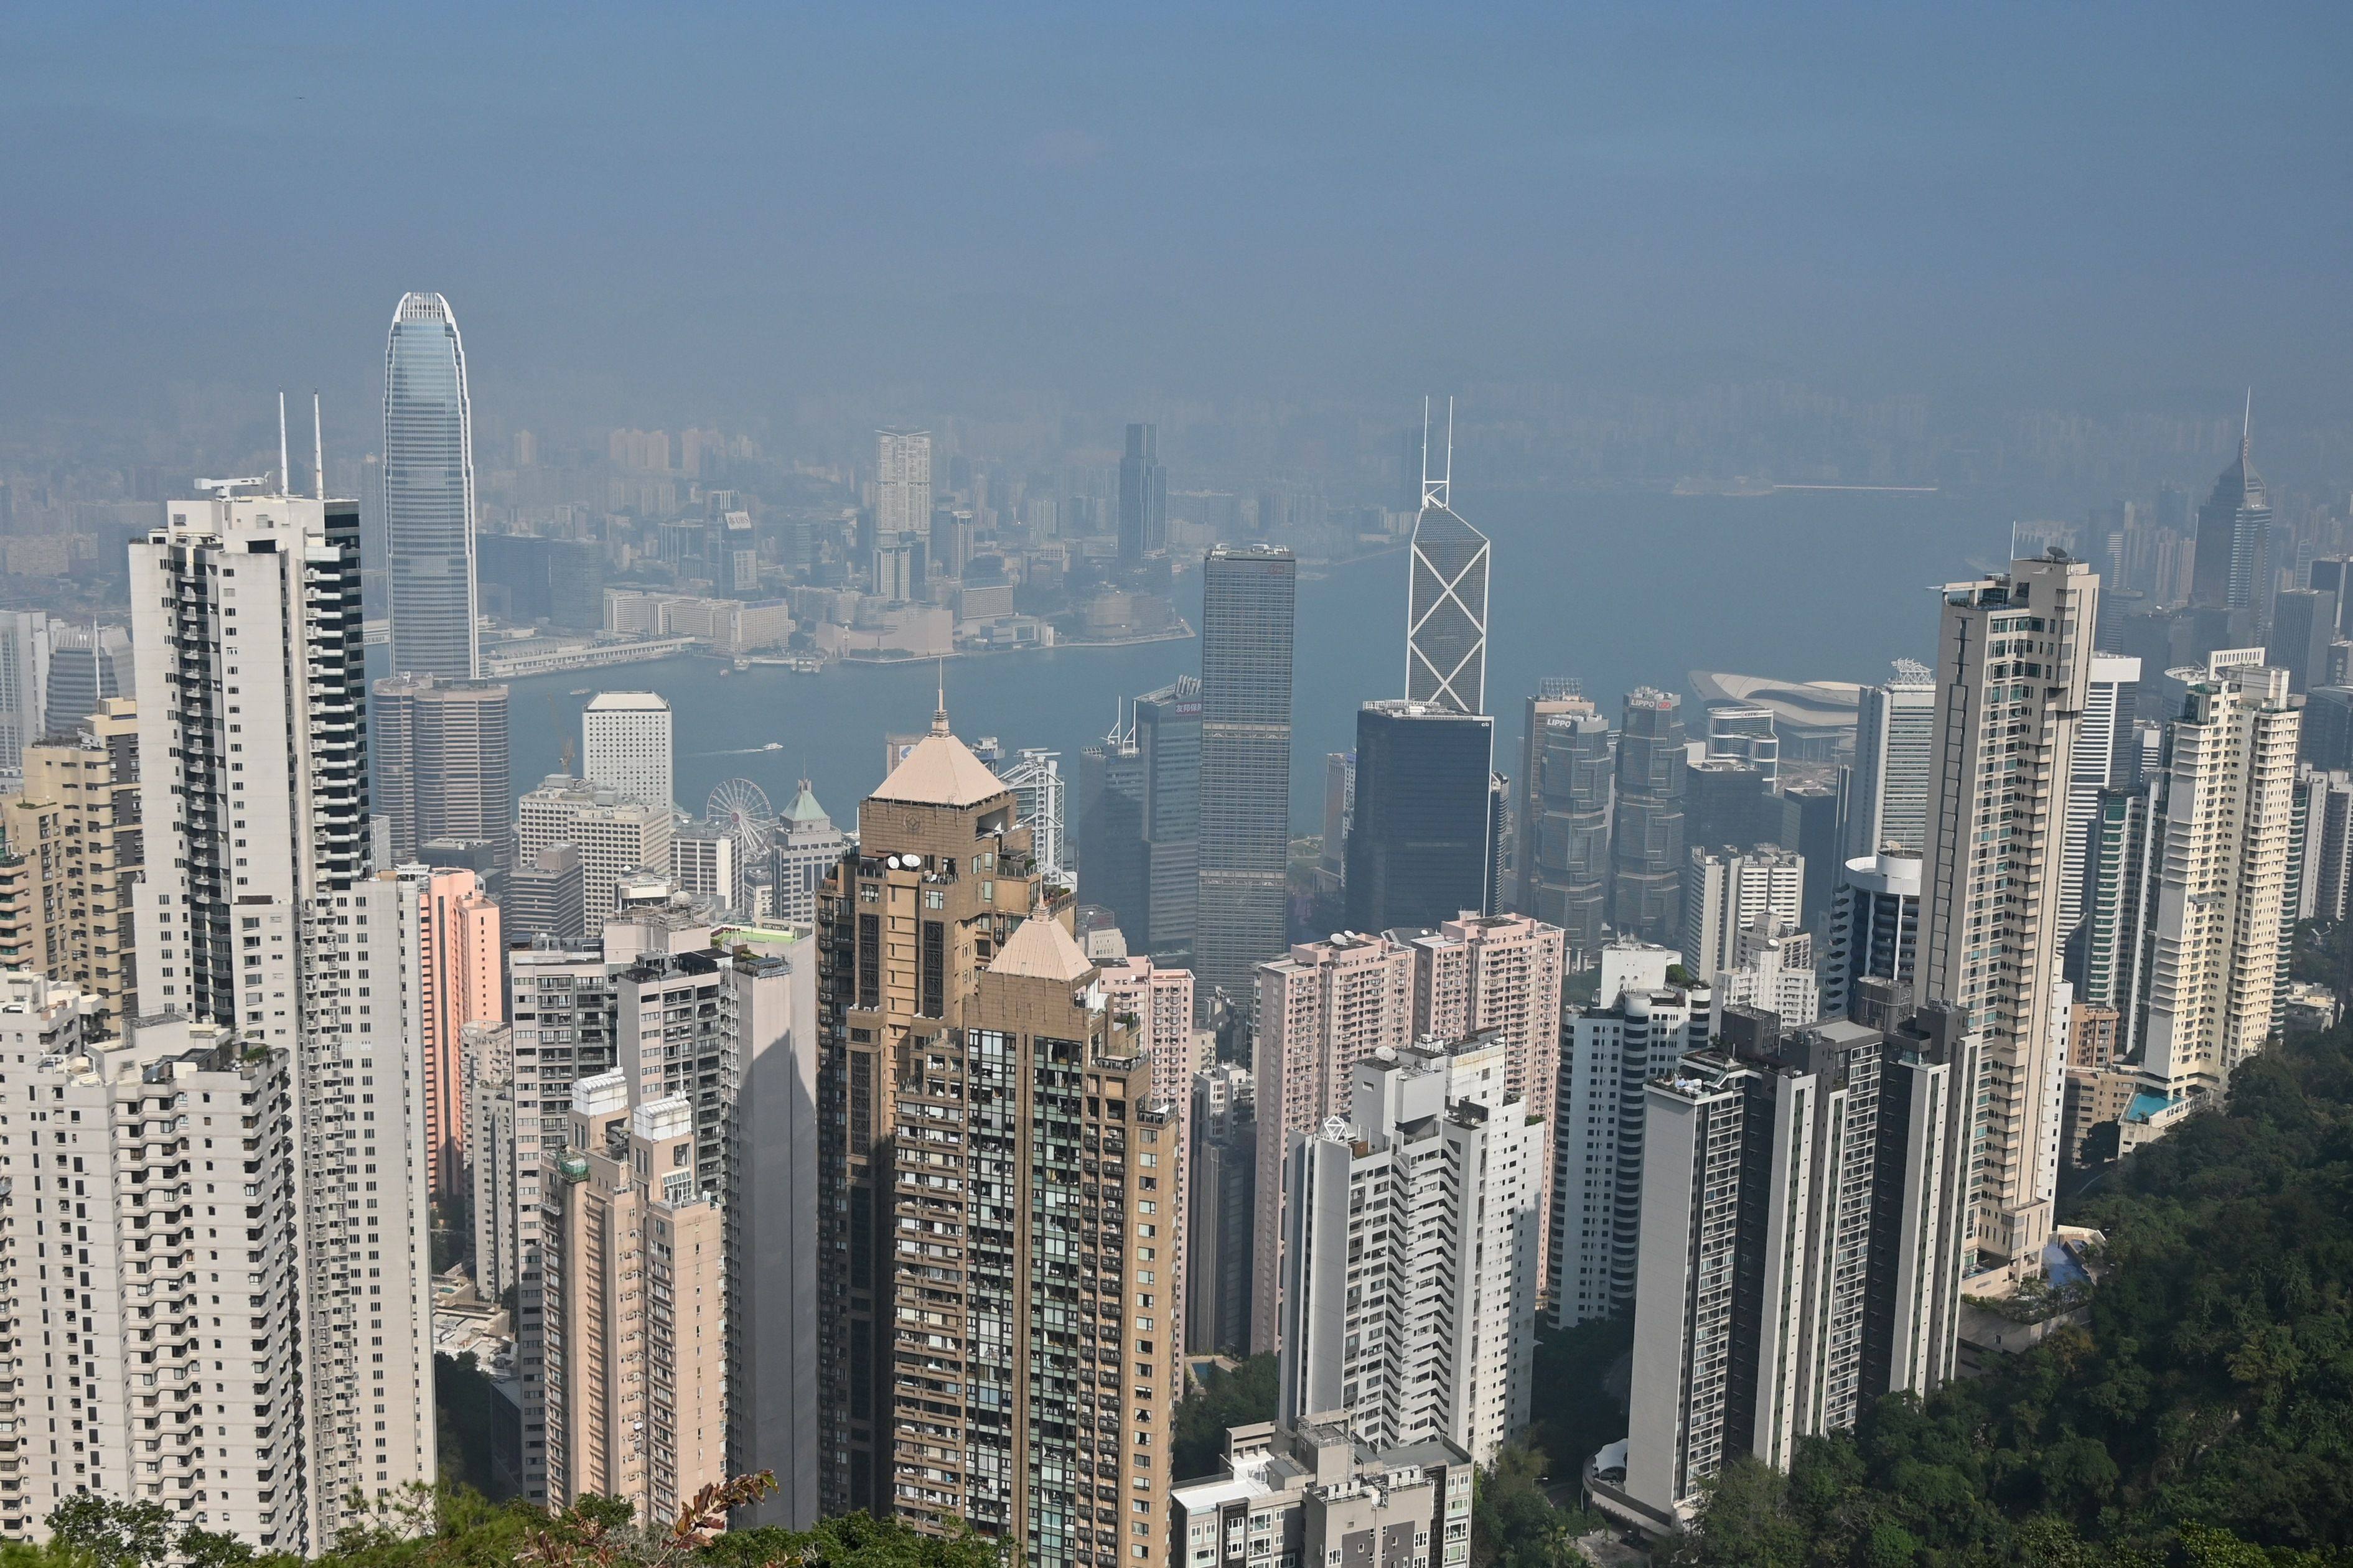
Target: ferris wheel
x,y
741,807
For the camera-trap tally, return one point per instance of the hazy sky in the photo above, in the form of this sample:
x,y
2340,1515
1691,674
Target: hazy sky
x,y
669,215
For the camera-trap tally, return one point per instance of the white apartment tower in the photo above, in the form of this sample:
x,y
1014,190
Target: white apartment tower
x,y
2013,672
1894,729
1640,1026
902,482
1410,1269
114,1389
252,732
625,745
1728,891
2230,793
2093,767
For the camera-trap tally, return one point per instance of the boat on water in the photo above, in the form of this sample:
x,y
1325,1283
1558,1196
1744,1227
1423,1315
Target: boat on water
x,y
584,691
774,746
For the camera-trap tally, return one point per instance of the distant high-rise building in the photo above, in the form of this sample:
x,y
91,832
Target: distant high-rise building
x,y
1641,1024
271,914
1410,1274
139,1233
1223,1173
2234,535
807,848
1725,802
634,1297
2304,626
1887,805
902,483
1745,734
2013,674
1446,606
428,492
452,940
1803,1200
486,1052
441,770
1142,495
1167,736
86,666
1559,696
72,840
1874,928
25,652
626,745
545,895
1565,795
1249,600
615,835
1035,777
1813,828
1420,851
2100,750
1728,891
1321,1008
1646,837
1112,861
2213,996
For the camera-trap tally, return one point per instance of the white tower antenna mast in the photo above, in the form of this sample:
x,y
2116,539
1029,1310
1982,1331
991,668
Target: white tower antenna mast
x,y
1439,490
285,479
317,448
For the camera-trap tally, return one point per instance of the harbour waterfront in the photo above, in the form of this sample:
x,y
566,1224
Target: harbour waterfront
x,y
1620,589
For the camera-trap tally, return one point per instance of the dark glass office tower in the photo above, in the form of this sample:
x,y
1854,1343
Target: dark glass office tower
x,y
1646,838
2232,567
1249,602
1420,852
428,492
1143,495
1567,835
1168,748
1111,832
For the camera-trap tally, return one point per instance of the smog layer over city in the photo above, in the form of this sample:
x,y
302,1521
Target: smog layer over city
x,y
1194,787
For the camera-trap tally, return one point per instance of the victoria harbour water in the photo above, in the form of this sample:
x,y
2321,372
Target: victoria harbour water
x,y
1621,590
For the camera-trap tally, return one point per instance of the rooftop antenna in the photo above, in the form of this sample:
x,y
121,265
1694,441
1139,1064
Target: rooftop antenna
x,y
317,448
940,713
1437,491
2247,429
285,481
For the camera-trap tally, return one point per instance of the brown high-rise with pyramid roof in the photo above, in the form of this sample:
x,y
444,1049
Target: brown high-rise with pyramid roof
x,y
997,1191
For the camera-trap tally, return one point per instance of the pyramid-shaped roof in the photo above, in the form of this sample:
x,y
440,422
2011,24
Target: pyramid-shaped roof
x,y
805,811
941,771
1040,949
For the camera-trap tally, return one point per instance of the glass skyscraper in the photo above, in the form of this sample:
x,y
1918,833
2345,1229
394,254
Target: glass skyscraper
x,y
1420,852
1248,602
1446,611
428,492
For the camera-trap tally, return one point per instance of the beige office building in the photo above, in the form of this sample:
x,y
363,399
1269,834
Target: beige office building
x,y
614,834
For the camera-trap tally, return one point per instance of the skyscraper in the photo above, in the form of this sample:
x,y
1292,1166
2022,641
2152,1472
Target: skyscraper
x,y
271,914
1874,928
451,938
428,492
902,484
1646,835
2013,672
75,831
2235,542
1168,757
1888,802
1420,851
2092,764
614,834
626,745
440,769
2216,951
943,856
1728,893
1411,1272
142,1241
1565,799
24,683
1142,495
1248,599
1446,603
807,847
